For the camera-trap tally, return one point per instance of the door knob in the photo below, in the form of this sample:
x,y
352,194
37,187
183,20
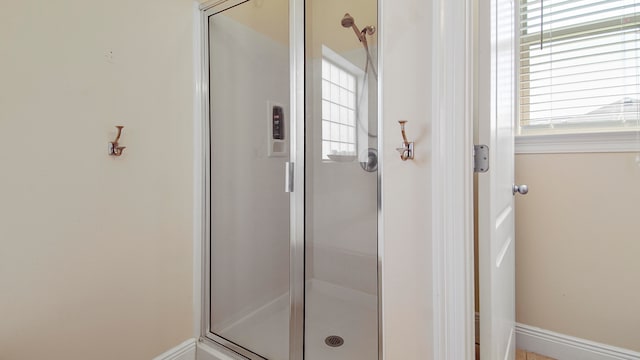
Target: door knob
x,y
521,189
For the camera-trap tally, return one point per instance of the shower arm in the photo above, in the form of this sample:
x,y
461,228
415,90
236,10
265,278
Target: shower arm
x,y
359,34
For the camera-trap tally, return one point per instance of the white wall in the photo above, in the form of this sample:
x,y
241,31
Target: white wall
x,y
95,252
250,210
406,94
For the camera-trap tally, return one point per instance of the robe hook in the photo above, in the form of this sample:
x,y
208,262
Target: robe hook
x,y
406,149
114,148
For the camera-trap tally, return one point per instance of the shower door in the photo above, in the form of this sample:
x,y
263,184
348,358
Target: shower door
x,y
292,231
249,209
341,180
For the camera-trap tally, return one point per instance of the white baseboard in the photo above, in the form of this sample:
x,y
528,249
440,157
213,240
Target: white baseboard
x,y
206,351
564,347
184,351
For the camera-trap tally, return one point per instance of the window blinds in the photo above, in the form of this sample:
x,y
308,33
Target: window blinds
x,y
579,65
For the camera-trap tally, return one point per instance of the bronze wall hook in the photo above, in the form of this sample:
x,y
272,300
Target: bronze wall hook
x,y
406,149
114,148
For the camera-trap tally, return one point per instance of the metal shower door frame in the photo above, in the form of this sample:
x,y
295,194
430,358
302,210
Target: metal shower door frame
x,y
297,196
297,158
207,10
297,250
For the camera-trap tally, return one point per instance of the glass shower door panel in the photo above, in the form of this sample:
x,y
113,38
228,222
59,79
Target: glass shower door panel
x,y
341,198
249,89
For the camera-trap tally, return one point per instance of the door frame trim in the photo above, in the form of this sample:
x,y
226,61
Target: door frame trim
x,y
198,166
452,179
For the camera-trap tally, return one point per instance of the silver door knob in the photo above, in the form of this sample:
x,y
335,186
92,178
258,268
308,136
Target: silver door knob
x,y
521,189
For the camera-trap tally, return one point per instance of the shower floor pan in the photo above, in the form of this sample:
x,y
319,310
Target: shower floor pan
x,y
331,311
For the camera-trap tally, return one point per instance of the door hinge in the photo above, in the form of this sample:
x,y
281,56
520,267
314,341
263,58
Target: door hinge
x,y
480,158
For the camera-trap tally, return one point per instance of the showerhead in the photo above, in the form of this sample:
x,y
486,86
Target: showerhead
x,y
347,20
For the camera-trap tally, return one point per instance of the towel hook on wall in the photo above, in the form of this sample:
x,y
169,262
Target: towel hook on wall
x,y
114,148
406,149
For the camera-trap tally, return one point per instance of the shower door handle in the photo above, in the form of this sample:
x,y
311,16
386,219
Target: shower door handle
x,y
288,177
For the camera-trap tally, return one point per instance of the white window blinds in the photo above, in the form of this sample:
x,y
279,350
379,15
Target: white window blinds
x,y
579,65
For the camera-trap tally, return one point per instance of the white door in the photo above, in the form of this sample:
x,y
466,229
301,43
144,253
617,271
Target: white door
x,y
497,111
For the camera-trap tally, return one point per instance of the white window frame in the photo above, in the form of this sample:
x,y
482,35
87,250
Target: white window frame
x,y
615,140
361,93
600,142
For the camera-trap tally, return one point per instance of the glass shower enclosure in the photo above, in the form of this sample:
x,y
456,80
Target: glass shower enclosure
x,y
291,241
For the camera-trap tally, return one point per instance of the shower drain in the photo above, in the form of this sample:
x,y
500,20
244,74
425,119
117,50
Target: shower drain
x,y
334,341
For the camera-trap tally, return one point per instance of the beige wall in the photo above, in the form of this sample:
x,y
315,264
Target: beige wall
x,y
262,16
324,19
326,27
95,251
577,249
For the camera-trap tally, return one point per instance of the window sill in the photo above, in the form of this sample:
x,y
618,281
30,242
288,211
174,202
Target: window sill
x,y
621,141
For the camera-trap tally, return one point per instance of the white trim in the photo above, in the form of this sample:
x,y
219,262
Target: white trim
x,y
619,141
559,346
452,179
208,350
198,169
343,63
185,351
218,3
381,213
360,91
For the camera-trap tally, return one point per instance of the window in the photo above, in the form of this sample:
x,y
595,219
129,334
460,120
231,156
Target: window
x,y
338,110
579,66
